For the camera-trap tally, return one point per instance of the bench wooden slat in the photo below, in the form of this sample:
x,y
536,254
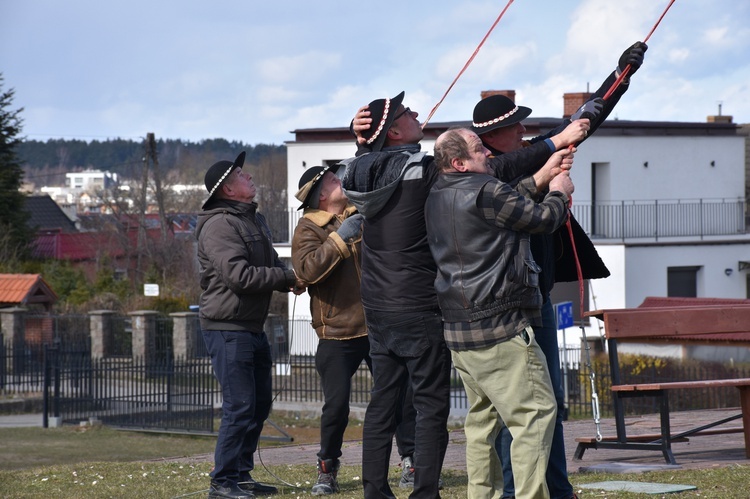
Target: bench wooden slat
x,y
681,321
672,385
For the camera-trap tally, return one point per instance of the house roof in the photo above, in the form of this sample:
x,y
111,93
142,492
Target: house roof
x,y
47,215
25,289
675,302
88,245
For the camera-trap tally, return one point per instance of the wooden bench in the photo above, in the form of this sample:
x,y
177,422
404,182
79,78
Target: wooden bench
x,y
670,325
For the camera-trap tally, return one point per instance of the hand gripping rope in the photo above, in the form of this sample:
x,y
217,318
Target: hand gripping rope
x,y
592,375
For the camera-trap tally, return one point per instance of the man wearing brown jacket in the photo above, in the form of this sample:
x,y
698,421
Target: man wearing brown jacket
x,y
326,256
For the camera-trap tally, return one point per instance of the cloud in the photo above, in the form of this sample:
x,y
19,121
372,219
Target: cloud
x,y
304,67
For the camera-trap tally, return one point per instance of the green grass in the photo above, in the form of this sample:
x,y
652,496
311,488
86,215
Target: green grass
x,y
176,480
35,447
96,462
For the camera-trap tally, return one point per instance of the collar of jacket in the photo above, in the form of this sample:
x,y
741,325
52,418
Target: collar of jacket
x,y
406,147
236,206
495,152
322,218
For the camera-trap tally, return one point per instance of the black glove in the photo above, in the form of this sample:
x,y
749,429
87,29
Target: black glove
x,y
590,110
633,56
351,227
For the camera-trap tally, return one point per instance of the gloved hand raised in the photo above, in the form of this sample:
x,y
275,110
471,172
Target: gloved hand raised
x,y
589,110
633,55
351,227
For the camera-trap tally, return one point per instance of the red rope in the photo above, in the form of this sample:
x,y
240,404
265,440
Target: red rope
x,y
609,93
467,63
626,70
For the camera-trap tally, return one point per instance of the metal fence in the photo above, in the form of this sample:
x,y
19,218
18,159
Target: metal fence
x,y
651,218
661,218
178,394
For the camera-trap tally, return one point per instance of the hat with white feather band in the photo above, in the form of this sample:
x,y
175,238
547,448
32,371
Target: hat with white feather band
x,y
497,111
382,112
219,171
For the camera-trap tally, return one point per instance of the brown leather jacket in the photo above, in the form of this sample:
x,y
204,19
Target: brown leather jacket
x,y
331,269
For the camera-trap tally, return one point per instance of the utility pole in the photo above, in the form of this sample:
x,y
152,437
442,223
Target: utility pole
x,y
151,148
141,246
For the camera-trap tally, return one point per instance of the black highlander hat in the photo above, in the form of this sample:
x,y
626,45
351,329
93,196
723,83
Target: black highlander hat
x,y
310,185
497,111
219,171
382,112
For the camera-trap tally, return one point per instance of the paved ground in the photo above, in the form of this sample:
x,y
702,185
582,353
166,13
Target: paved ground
x,y
20,420
698,452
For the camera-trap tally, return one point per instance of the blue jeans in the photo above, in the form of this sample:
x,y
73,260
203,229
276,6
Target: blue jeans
x,y
336,362
242,364
557,469
406,347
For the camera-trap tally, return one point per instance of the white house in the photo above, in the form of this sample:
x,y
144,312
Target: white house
x,y
664,203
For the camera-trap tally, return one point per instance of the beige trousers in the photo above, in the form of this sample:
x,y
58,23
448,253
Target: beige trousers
x,y
507,381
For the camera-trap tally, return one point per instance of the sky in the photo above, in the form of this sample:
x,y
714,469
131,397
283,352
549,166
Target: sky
x,y
255,70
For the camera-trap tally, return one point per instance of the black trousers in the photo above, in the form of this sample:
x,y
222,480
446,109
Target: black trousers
x,y
406,346
336,362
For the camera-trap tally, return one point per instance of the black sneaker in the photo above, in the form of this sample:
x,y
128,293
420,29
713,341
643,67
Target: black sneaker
x,y
227,492
247,484
327,472
407,475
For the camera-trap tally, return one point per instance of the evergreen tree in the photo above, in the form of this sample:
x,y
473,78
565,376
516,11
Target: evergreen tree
x,y
15,235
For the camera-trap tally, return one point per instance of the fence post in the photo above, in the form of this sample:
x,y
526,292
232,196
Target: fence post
x,y
144,334
102,334
13,322
184,334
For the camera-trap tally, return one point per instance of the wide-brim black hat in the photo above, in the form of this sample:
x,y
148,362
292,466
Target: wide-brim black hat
x,y
219,171
310,185
382,112
497,111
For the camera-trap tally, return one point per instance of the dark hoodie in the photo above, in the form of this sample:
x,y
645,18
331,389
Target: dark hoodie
x,y
390,188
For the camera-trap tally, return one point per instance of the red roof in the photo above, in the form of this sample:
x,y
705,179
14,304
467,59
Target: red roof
x,y
23,289
87,245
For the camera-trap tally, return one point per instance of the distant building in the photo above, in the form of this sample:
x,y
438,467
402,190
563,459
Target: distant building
x,y
91,180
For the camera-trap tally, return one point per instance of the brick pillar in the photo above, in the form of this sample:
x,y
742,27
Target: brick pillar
x,y
184,334
511,94
102,334
574,100
13,322
144,333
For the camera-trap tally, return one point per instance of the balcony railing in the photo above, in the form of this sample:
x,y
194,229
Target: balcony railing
x,y
653,219
657,219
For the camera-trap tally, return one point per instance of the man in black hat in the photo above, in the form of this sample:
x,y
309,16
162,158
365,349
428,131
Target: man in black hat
x,y
497,121
239,270
326,254
389,187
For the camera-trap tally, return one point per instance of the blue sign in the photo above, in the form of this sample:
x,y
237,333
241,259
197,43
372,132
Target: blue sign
x,y
564,314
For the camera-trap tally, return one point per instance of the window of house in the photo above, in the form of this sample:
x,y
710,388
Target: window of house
x,y
682,281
